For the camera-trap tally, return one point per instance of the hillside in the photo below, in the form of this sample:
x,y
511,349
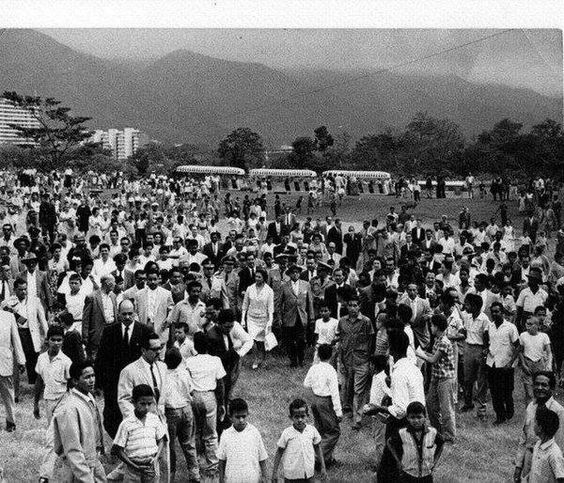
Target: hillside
x,y
188,97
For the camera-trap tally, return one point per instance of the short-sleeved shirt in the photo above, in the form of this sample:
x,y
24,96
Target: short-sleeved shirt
x,y
242,451
299,454
475,328
326,330
55,374
547,464
529,301
443,368
205,371
502,340
139,439
533,345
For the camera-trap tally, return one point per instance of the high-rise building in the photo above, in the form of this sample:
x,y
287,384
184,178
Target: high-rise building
x,y
122,144
11,114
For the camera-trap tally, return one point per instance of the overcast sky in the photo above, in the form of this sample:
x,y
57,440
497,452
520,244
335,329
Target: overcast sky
x,y
520,58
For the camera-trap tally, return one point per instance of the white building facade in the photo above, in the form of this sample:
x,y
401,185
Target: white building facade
x,y
11,114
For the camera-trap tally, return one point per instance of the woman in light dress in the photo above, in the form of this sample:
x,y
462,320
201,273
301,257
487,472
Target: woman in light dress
x,y
509,237
258,314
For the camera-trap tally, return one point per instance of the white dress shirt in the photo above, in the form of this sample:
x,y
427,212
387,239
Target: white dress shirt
x,y
322,379
406,387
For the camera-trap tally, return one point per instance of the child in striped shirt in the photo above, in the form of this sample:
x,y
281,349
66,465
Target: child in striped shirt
x,y
140,438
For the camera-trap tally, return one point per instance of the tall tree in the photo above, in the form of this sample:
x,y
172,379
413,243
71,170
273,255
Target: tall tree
x,y
243,148
323,139
58,131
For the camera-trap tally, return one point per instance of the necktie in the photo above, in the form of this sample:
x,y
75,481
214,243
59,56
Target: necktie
x,y
155,385
209,282
126,337
226,277
3,293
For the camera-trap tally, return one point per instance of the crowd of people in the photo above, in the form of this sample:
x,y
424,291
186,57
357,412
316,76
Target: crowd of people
x,y
150,293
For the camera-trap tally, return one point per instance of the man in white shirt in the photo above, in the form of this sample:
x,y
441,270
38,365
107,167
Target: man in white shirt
x,y
190,310
504,342
103,265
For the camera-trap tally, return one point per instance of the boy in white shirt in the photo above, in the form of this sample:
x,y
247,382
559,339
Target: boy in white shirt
x,y
298,446
378,392
325,330
242,455
326,406
535,354
179,415
547,463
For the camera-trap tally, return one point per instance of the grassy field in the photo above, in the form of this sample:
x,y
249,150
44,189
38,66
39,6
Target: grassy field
x,y
481,453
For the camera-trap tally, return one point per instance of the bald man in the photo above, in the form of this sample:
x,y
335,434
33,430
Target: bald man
x,y
120,345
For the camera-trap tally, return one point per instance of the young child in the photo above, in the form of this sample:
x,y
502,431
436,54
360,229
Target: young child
x,y
535,354
298,445
140,438
326,406
182,342
547,463
325,330
178,411
242,455
417,447
52,370
379,393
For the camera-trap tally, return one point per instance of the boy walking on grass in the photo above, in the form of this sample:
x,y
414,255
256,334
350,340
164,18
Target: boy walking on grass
x,y
326,405
242,455
547,463
140,439
298,445
417,447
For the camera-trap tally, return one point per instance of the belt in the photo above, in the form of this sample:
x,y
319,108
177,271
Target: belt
x,y
322,397
475,345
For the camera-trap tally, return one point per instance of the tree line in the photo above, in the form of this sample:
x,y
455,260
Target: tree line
x,y
426,146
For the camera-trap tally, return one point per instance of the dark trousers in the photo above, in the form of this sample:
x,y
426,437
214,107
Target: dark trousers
x,y
388,470
295,342
501,384
112,414
405,478
30,354
327,424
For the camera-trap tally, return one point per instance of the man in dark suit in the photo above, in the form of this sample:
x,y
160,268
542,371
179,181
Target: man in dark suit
x,y
417,232
214,249
335,235
37,281
373,294
48,217
128,277
337,294
428,244
274,230
408,247
247,274
531,226
120,345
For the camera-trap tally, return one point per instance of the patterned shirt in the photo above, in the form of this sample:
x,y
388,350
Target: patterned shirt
x,y
444,367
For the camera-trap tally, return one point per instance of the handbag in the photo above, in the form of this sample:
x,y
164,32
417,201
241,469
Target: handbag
x,y
270,341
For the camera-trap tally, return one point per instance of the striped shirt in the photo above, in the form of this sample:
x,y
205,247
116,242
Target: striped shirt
x,y
139,438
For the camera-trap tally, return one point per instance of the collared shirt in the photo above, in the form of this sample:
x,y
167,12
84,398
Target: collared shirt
x,y
322,379
529,301
502,340
176,393
91,402
528,438
55,374
183,311
32,284
205,371
139,438
475,327
296,287
406,387
443,368
75,304
547,465
151,303
108,308
153,369
299,455
355,339
326,331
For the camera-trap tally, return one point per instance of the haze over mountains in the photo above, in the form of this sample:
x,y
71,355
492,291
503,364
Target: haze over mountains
x,y
188,97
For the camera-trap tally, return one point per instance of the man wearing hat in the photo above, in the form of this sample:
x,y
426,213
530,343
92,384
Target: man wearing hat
x,y
530,297
37,281
296,311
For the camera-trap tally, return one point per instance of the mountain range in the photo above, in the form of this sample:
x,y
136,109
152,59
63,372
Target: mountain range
x,y
188,97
